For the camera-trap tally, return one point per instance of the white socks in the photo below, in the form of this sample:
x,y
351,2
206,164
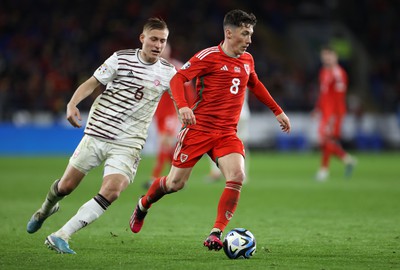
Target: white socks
x,y
348,159
322,174
88,213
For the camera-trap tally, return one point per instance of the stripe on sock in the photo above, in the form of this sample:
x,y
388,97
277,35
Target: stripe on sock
x,y
55,189
103,202
233,185
162,184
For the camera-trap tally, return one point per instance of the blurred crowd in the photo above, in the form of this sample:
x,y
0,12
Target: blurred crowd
x,y
47,48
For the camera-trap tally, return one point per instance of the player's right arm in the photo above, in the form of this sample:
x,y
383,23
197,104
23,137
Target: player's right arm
x,y
83,91
104,74
197,65
186,114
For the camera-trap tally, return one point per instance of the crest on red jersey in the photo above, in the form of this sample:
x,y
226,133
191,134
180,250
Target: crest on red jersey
x,y
247,68
184,157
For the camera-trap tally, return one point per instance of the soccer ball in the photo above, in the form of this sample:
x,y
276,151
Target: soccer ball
x,y
239,243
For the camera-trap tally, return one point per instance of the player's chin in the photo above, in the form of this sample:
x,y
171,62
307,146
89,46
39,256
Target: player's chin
x,y
155,54
154,57
242,50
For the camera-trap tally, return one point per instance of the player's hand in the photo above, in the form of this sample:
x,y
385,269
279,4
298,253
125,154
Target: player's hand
x,y
73,115
187,116
284,122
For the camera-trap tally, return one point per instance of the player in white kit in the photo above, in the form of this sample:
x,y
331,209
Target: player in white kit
x,y
115,132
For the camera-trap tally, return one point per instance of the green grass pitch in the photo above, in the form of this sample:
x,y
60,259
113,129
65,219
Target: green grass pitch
x,y
298,223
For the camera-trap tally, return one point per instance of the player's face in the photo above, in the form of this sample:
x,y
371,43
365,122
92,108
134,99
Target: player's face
x,y
240,39
153,43
328,58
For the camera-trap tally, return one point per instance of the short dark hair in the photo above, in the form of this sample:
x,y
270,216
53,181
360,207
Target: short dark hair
x,y
155,23
239,18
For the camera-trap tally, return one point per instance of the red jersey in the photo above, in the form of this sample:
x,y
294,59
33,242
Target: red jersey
x,y
165,115
221,84
165,106
333,87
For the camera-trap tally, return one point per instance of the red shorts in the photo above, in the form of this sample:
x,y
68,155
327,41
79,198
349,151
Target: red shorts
x,y
330,125
193,144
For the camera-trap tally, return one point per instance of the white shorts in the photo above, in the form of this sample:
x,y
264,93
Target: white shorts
x,y
118,159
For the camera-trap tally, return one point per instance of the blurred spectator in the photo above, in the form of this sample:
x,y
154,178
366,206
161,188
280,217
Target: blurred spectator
x,y
46,47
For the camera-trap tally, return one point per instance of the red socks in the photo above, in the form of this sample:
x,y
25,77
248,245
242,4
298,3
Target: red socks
x,y
331,147
156,191
227,204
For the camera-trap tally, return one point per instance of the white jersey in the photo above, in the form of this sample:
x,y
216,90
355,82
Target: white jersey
x,y
123,112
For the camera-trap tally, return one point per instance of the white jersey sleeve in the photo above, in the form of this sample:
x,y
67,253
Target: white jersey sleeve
x,y
108,70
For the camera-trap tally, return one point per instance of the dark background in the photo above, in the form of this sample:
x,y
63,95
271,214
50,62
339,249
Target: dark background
x,y
49,47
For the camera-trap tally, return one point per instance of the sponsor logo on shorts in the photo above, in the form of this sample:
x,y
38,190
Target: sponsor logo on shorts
x,y
184,157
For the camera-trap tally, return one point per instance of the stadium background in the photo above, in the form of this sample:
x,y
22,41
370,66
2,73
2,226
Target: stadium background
x,y
48,48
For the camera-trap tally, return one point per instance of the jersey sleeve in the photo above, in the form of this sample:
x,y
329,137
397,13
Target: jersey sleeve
x,y
177,85
108,70
261,92
253,77
171,75
193,68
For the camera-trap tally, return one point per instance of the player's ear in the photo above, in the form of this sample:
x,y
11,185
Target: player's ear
x,y
141,38
228,33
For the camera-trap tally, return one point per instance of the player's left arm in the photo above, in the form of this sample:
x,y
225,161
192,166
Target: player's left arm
x,y
261,92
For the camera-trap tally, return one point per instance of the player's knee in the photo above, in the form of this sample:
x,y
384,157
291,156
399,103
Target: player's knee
x,y
175,185
66,187
112,191
237,176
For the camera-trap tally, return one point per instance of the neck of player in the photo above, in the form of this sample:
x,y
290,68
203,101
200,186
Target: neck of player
x,y
228,50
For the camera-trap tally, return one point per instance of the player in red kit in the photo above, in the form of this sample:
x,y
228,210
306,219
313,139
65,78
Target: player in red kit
x,y
332,107
167,122
223,73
